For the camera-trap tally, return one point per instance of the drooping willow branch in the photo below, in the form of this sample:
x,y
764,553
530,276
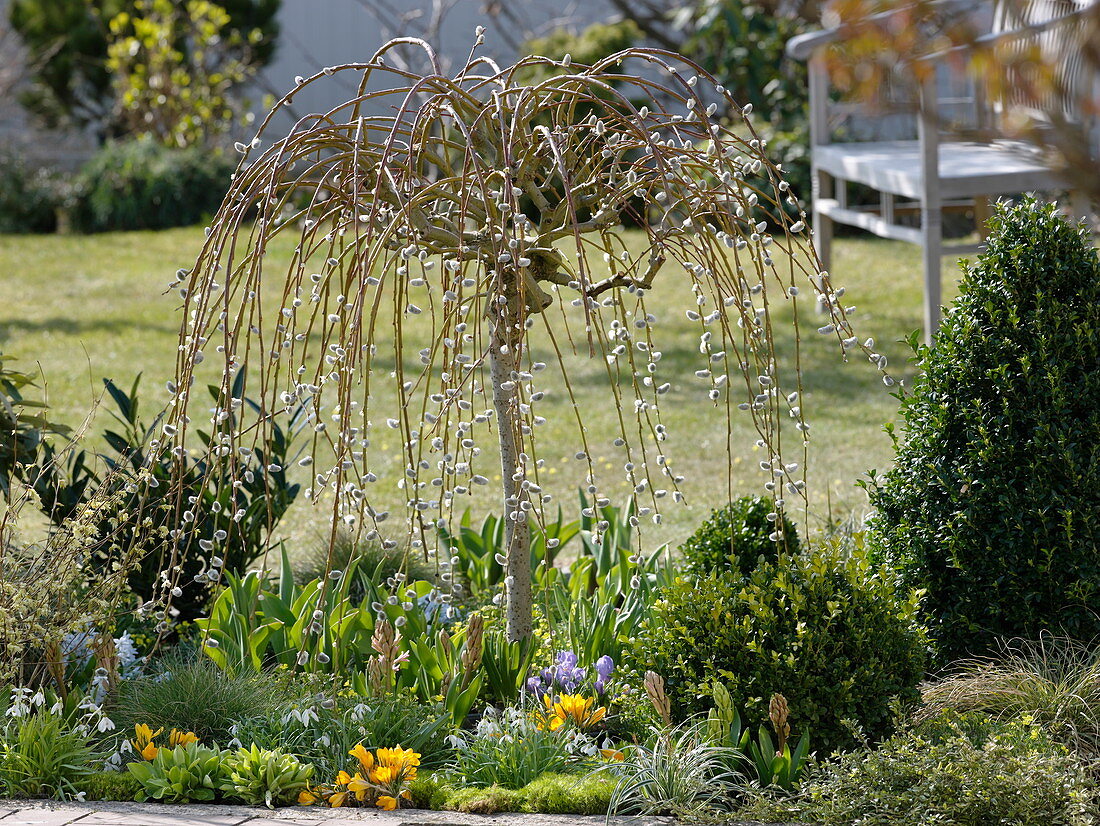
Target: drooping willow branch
x,y
483,206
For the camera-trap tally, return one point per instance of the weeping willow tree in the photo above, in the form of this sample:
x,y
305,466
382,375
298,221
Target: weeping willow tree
x,y
485,205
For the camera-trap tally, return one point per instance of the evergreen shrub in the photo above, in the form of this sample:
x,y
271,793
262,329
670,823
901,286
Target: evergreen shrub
x,y
826,628
993,503
140,184
736,537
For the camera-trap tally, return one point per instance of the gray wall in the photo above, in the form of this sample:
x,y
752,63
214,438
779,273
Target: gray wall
x,y
18,135
319,33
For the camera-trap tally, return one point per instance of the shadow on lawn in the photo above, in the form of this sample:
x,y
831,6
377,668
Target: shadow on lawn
x,y
13,329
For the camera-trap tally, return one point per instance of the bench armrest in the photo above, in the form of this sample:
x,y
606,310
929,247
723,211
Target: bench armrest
x,y
802,46
995,39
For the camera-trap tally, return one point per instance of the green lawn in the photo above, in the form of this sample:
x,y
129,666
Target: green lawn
x,y
82,308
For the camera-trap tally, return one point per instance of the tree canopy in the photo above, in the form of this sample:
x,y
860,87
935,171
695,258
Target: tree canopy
x,y
67,43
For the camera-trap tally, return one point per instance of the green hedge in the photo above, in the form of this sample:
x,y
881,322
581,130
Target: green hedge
x,y
143,185
993,504
28,198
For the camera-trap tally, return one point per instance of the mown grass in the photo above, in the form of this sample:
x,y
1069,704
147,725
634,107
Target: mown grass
x,y
84,308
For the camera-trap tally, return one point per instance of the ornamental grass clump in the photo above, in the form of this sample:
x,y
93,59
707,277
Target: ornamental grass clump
x,y
480,207
1054,681
194,698
678,772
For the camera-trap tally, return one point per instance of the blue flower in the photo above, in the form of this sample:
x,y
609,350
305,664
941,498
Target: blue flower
x,y
605,667
536,686
565,659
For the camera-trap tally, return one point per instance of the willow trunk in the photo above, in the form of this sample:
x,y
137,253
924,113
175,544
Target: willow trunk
x,y
503,368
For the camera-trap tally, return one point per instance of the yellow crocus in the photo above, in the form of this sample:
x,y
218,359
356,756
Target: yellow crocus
x,y
574,708
359,787
336,799
402,762
612,755
181,738
365,758
143,735
384,775
398,758
386,803
306,798
143,740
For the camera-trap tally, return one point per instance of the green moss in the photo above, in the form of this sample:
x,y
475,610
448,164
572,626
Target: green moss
x,y
121,786
484,801
429,790
551,793
563,794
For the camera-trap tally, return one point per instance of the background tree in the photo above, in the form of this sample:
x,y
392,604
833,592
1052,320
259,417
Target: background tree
x,y
67,41
422,291
740,43
176,70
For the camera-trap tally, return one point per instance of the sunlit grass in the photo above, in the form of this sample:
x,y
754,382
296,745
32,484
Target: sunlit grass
x,y
83,308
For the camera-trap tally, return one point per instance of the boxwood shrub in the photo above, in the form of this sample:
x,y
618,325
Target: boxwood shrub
x,y
993,503
140,184
826,628
736,536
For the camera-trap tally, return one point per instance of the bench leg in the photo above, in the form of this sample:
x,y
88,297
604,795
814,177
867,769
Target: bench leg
x,y
823,226
1082,208
932,250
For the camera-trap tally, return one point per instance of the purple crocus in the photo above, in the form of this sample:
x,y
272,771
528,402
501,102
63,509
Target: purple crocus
x,y
565,659
565,675
605,667
536,686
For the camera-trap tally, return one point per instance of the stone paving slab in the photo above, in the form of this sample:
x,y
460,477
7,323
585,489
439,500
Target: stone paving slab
x,y
42,817
47,813
169,814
